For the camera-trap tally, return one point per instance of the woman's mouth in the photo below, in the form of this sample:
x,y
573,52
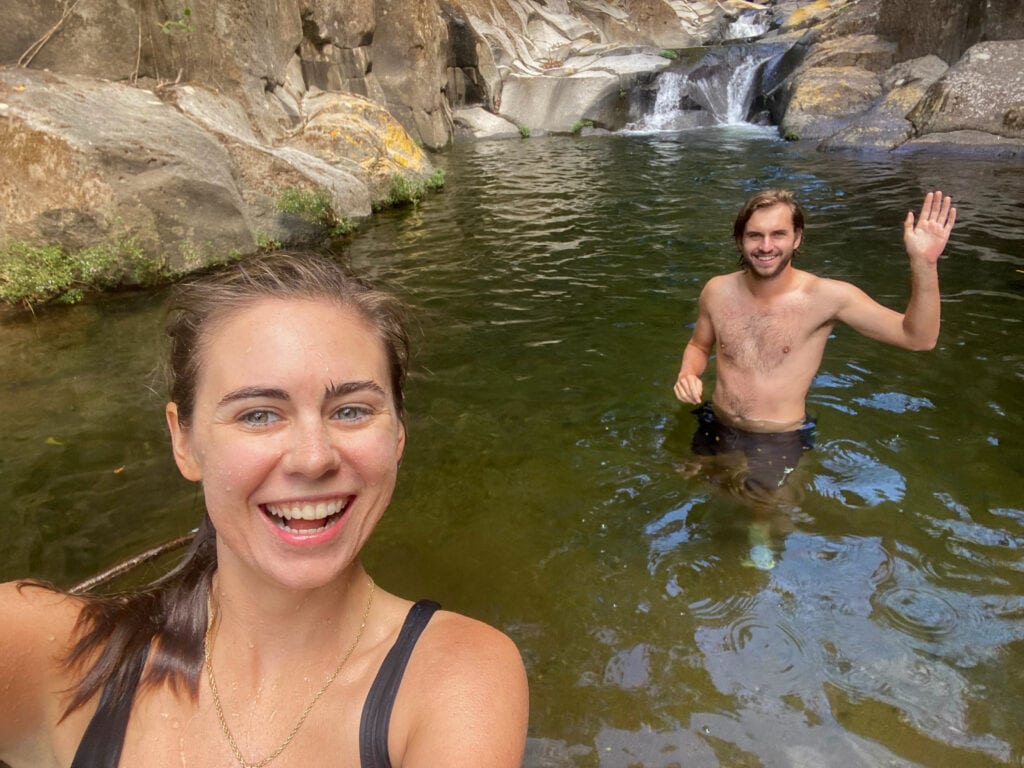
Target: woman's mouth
x,y
306,517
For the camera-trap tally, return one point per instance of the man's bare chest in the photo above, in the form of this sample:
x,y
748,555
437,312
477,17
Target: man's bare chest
x,y
763,339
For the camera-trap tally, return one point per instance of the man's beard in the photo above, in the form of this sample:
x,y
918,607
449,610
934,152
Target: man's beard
x,y
750,264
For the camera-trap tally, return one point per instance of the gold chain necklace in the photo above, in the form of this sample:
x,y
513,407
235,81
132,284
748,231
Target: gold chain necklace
x,y
207,647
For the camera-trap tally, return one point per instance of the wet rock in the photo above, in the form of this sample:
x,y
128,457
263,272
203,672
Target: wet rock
x,y
966,143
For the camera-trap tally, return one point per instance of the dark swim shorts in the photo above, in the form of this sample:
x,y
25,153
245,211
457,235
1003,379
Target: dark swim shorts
x,y
771,456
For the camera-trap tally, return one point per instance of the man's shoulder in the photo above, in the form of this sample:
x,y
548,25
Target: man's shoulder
x,y
725,282
824,286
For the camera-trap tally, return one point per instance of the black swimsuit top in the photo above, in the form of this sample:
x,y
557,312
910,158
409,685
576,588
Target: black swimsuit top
x,y
104,737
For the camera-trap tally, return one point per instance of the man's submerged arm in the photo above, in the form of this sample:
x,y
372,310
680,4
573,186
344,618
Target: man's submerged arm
x,y
918,327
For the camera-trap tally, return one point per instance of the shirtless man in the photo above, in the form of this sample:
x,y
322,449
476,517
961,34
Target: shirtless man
x,y
770,322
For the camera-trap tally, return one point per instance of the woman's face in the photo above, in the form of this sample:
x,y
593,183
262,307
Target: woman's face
x,y
294,436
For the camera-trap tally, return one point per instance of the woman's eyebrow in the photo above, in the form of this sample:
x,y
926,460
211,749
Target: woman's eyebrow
x,y
267,393
333,390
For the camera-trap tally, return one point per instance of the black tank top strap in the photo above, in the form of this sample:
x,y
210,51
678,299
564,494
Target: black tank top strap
x,y
373,727
104,737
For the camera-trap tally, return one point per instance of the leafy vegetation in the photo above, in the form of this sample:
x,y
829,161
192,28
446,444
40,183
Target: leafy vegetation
x,y
524,131
31,274
581,124
406,191
181,22
668,53
315,207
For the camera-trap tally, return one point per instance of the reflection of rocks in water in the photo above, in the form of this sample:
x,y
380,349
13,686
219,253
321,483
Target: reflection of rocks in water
x,y
629,668
857,479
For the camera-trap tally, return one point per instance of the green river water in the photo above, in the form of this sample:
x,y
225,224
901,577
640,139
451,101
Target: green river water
x,y
548,486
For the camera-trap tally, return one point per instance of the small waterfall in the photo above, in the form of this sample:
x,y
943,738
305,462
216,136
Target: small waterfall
x,y
729,98
719,90
663,116
748,25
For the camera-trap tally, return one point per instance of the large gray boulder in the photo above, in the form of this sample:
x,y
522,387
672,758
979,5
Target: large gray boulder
x,y
264,171
87,162
947,28
984,91
182,174
586,88
410,53
478,123
885,125
824,100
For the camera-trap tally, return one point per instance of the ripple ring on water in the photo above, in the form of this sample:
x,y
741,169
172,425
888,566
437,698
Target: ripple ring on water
x,y
919,613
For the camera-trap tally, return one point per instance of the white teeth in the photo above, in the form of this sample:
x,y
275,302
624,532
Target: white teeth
x,y
307,511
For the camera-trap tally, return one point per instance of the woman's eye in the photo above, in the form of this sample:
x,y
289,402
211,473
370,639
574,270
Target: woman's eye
x,y
258,418
352,412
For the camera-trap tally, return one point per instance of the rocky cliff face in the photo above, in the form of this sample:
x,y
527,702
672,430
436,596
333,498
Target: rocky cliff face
x,y
179,126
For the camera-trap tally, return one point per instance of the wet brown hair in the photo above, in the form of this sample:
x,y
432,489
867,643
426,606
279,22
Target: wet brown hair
x,y
168,618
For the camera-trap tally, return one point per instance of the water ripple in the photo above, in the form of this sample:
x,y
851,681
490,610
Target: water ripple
x,y
756,654
722,610
855,478
920,613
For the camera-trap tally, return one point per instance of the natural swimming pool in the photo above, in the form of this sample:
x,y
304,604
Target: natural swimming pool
x,y
548,487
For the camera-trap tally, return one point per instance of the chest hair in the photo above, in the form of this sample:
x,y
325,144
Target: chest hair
x,y
763,340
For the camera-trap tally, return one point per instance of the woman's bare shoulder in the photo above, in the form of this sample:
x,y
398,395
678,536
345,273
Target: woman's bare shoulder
x,y
38,627
28,607
467,696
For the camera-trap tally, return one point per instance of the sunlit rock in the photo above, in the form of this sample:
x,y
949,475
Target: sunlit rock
x,y
984,91
88,162
885,126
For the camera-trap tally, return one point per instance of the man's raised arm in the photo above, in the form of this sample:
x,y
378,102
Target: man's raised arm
x,y
917,328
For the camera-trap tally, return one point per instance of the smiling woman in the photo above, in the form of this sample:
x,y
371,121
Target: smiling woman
x,y
269,643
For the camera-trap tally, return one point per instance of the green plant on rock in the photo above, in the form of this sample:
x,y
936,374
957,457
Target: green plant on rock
x,y
581,124
267,242
524,132
180,22
314,206
407,191
668,53
33,274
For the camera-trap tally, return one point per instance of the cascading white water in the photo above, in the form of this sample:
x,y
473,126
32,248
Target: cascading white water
x,y
666,104
748,25
719,91
730,101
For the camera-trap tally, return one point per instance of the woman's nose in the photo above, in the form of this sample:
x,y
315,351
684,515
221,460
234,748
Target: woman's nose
x,y
313,453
